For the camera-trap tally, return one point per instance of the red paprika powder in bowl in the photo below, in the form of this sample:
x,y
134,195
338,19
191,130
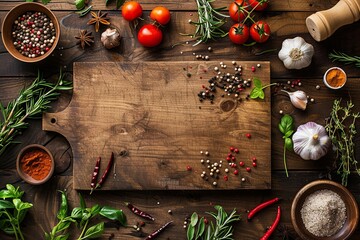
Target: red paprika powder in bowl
x,y
35,164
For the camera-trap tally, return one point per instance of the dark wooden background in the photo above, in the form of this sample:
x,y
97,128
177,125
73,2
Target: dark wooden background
x,y
286,19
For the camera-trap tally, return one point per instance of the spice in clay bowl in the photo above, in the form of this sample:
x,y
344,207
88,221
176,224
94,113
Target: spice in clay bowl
x,y
35,164
335,78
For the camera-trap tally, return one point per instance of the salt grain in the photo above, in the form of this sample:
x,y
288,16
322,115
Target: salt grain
x,y
323,213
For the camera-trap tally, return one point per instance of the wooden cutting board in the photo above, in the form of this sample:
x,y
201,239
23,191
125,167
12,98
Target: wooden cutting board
x,y
151,111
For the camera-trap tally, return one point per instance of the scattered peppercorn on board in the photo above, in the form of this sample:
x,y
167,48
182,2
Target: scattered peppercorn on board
x,y
163,137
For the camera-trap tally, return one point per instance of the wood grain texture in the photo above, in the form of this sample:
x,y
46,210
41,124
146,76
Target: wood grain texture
x,y
152,111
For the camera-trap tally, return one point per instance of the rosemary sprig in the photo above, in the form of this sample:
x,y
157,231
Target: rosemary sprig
x,y
222,229
208,26
341,129
344,58
31,101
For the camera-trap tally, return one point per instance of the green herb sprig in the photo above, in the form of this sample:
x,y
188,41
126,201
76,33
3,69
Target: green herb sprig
x,y
341,129
344,58
208,26
221,229
286,127
82,216
12,211
258,90
31,101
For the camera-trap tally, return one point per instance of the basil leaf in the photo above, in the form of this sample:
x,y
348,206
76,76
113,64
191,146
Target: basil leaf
x,y
190,232
119,3
19,205
62,237
77,213
82,201
11,192
6,204
194,219
94,231
63,225
113,214
257,93
79,4
288,133
288,144
63,211
286,123
257,83
95,210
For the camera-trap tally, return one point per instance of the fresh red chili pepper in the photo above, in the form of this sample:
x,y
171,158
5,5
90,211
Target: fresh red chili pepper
x,y
105,174
139,212
95,174
157,232
261,206
273,226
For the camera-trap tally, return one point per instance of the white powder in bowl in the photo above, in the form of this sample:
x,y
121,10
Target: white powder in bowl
x,y
323,213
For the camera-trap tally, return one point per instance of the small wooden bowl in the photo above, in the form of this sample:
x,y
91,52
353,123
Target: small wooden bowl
x,y
8,22
28,178
352,210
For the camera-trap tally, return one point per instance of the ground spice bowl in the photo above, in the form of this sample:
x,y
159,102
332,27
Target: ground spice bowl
x,y
328,84
9,20
27,178
352,210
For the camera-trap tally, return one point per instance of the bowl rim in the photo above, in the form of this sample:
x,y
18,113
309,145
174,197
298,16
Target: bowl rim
x,y
326,73
348,199
41,8
26,177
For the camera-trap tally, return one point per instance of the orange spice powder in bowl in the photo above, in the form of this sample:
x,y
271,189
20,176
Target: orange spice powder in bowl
x,y
35,164
335,78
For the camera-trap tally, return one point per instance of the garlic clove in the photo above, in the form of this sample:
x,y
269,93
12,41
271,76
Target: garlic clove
x,y
298,99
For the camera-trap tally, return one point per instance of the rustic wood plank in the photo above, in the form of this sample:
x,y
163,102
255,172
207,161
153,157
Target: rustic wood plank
x,y
158,203
152,110
187,5
284,25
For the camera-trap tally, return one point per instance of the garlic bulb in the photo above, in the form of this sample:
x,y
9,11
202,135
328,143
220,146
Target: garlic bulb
x,y
110,38
296,53
298,99
311,141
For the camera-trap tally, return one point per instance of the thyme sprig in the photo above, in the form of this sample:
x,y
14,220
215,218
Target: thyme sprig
x,y
31,101
344,58
341,129
208,26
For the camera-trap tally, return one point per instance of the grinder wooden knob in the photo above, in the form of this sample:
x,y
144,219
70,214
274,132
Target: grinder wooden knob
x,y
322,25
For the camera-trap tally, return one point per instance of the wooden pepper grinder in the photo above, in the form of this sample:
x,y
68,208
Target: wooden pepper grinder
x,y
322,25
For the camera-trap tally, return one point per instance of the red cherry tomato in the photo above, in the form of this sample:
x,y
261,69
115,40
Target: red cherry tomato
x,y
237,10
239,33
260,31
259,5
150,35
161,15
131,10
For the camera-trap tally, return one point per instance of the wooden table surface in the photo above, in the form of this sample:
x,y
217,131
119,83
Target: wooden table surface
x,y
286,19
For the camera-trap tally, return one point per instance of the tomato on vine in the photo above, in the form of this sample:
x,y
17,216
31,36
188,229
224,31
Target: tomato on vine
x,y
150,35
238,10
259,5
260,31
239,33
131,10
161,15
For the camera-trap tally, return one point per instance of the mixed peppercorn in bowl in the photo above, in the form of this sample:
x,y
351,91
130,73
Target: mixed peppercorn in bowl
x,y
30,32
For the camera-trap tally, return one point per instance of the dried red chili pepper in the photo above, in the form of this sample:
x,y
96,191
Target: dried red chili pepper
x,y
106,173
157,232
139,212
260,207
95,174
273,226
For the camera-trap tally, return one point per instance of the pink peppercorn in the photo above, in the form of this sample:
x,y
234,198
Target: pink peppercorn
x,y
232,149
248,135
236,150
253,159
233,158
248,169
253,69
241,164
236,172
188,168
254,164
228,159
226,178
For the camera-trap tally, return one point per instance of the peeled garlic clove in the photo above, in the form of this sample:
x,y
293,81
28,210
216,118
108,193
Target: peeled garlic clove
x,y
110,38
298,99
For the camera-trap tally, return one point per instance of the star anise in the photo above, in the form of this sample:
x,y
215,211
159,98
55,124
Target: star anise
x,y
85,38
97,19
